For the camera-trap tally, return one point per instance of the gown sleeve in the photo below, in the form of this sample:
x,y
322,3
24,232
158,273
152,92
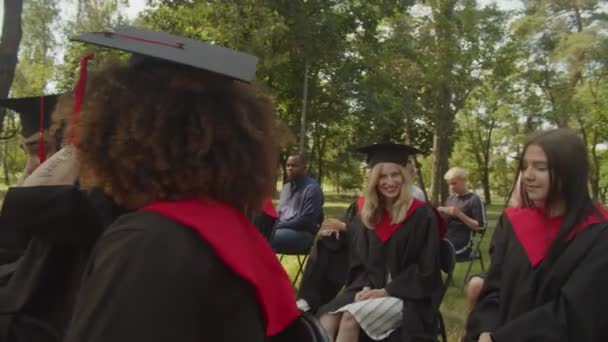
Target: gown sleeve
x,y
358,276
485,315
577,313
422,278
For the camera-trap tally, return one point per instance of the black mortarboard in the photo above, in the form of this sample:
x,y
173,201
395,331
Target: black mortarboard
x,y
167,47
30,110
387,153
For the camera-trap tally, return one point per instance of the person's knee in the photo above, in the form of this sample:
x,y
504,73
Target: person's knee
x,y
474,287
348,321
329,322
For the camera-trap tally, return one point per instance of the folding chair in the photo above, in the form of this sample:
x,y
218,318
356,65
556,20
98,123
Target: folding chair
x,y
301,257
306,328
447,261
476,253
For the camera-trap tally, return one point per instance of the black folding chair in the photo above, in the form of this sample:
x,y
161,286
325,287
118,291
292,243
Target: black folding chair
x,y
475,255
306,328
447,261
301,257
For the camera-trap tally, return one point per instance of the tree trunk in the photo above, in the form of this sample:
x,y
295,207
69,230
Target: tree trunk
x,y
303,114
338,182
420,179
441,154
9,46
442,143
409,132
7,179
595,166
485,177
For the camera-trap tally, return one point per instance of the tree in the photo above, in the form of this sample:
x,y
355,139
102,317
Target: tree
x,y
36,57
9,46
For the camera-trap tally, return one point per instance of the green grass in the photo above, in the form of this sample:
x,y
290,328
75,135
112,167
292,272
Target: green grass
x,y
454,306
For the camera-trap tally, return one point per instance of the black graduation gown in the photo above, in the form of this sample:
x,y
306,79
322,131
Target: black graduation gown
x,y
327,267
153,279
521,303
63,223
411,255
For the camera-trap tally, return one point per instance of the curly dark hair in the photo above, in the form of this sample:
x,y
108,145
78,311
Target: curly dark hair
x,y
162,131
60,120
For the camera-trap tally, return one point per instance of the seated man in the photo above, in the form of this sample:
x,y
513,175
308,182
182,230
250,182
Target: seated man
x,y
300,209
463,211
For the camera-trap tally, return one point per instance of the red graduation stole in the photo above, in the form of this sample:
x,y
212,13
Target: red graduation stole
x,y
240,246
385,228
268,208
536,232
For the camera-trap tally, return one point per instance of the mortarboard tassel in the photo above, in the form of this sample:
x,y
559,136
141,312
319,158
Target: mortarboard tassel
x,y
41,151
78,96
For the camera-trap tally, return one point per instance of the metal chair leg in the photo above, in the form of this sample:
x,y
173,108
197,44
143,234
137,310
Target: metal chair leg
x,y
466,275
444,335
301,262
481,261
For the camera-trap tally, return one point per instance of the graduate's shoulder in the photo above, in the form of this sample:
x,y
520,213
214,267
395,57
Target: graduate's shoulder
x,y
424,210
149,231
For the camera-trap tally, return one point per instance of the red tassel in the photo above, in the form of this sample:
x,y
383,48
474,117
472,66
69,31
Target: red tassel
x,y
78,96
41,151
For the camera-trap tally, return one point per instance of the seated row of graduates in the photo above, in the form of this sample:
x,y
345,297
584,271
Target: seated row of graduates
x,y
548,270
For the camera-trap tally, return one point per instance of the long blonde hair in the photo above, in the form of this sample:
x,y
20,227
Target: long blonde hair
x,y
373,207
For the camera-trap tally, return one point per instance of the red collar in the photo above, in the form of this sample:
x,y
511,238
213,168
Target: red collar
x,y
536,232
268,208
240,246
385,228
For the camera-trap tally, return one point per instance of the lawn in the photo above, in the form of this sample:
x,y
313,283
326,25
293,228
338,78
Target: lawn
x,y
454,307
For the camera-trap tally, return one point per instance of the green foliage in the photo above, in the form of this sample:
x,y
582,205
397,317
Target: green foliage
x,y
92,15
449,74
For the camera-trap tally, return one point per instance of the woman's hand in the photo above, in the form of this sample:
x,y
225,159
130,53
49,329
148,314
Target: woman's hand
x,y
332,227
360,293
485,337
60,169
371,294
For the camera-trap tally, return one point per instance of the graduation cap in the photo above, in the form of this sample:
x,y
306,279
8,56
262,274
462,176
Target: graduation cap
x,y
160,46
34,114
388,153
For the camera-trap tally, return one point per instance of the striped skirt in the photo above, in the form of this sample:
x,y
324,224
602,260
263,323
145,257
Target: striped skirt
x,y
378,317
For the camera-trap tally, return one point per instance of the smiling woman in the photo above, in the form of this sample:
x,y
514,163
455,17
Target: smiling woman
x,y
394,268
387,189
548,266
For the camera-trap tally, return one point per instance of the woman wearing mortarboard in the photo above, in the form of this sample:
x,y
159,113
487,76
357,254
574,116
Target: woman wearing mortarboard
x,y
549,272
181,138
59,224
34,118
394,264
327,266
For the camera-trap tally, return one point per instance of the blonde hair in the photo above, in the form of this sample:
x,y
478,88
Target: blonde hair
x,y
456,172
373,207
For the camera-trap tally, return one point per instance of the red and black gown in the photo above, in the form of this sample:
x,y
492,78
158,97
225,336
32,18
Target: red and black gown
x,y
410,252
185,271
525,300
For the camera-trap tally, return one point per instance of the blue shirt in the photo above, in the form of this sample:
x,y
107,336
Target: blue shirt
x,y
301,205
